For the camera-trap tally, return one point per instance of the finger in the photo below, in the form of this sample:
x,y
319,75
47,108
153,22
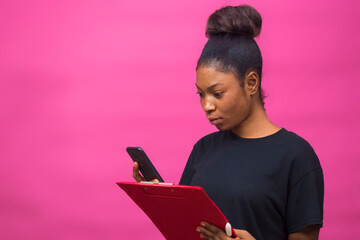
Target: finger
x,y
204,233
136,174
155,180
213,228
219,233
241,233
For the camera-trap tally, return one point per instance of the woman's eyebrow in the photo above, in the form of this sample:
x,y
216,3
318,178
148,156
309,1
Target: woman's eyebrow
x,y
211,87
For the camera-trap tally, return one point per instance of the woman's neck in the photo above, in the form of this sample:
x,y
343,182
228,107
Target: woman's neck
x,y
257,124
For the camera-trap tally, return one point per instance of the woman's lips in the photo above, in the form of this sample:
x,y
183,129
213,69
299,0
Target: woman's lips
x,y
215,121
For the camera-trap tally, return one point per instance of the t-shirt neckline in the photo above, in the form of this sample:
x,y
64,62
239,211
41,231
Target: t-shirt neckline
x,y
261,139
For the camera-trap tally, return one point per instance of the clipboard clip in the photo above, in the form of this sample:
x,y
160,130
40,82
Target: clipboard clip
x,y
160,183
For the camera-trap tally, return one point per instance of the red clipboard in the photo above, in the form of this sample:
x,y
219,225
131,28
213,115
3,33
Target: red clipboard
x,y
176,210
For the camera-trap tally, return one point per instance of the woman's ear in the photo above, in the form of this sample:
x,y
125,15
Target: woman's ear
x,y
251,83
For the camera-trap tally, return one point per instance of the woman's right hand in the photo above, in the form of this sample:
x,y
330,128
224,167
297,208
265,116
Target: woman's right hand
x,y
212,232
137,176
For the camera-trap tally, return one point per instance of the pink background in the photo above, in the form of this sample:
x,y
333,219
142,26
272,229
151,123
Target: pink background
x,y
82,80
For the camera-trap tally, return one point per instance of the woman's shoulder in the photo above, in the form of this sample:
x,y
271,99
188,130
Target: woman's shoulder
x,y
296,142
301,152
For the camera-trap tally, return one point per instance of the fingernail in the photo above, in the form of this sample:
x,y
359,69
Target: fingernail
x,y
198,229
202,224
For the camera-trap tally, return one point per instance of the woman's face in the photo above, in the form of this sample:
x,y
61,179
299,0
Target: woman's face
x,y
224,101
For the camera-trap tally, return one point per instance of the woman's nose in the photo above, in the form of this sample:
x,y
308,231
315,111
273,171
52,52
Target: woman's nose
x,y
208,106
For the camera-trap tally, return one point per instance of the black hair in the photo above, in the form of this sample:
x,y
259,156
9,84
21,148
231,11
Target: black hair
x,y
231,46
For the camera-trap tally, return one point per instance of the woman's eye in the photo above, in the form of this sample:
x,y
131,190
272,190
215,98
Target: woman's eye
x,y
218,94
200,94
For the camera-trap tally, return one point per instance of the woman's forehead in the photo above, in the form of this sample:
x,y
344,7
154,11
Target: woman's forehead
x,y
211,75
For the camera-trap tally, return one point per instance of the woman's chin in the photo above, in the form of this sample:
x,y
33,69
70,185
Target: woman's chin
x,y
221,127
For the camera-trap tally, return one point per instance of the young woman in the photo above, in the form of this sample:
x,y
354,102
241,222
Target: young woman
x,y
267,181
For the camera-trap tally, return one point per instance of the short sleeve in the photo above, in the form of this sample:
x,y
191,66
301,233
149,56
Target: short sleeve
x,y
188,171
305,202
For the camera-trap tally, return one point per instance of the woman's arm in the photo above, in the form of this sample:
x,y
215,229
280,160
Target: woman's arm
x,y
309,233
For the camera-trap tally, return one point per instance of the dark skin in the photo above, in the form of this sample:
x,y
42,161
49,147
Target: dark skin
x,y
230,106
209,231
233,107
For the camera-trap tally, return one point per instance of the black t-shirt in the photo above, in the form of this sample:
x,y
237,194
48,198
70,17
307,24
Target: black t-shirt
x,y
269,186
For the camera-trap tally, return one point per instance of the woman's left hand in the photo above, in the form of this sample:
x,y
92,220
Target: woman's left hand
x,y
209,231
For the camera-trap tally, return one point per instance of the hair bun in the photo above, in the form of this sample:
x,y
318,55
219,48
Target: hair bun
x,y
240,20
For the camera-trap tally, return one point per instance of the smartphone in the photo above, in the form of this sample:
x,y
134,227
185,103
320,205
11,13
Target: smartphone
x,y
146,168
